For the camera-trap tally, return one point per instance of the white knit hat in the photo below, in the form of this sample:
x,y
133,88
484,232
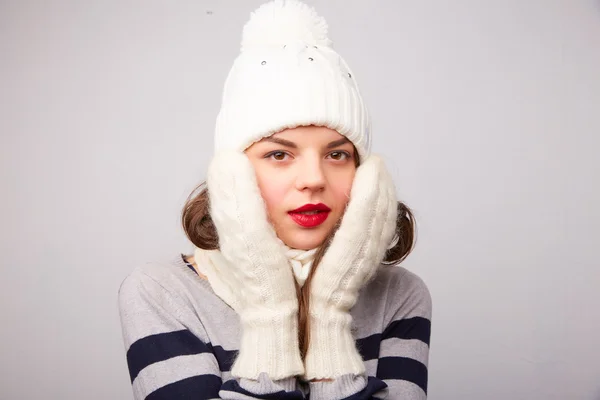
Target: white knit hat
x,y
288,75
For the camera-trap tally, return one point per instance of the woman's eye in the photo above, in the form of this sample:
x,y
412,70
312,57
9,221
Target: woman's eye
x,y
277,155
339,155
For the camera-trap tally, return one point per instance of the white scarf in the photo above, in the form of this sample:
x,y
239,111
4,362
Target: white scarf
x,y
301,261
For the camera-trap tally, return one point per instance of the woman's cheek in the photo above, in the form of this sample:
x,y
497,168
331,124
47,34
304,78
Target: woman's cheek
x,y
272,194
344,187
276,213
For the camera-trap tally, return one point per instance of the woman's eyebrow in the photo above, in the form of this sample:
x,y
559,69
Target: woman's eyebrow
x,y
282,142
337,143
293,145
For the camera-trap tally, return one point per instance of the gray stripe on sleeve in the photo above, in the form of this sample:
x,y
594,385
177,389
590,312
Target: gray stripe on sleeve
x,y
160,374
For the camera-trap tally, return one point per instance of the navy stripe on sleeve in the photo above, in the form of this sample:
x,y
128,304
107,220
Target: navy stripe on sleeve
x,y
225,358
403,368
201,387
369,347
234,386
410,328
162,346
374,385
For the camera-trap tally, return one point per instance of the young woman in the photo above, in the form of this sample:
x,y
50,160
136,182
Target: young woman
x,y
293,290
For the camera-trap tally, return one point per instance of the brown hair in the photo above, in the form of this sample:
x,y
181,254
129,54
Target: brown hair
x,y
201,231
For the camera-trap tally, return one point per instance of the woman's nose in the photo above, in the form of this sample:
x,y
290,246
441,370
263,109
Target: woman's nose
x,y
310,176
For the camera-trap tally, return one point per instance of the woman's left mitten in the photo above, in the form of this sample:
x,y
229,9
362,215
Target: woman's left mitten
x,y
356,251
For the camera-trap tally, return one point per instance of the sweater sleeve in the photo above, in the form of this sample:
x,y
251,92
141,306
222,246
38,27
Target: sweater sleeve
x,y
404,352
169,354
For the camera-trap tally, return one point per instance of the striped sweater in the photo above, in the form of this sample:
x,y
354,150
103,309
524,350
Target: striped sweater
x,y
181,339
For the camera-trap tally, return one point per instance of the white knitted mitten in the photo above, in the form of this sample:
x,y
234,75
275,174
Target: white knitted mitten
x,y
356,251
258,271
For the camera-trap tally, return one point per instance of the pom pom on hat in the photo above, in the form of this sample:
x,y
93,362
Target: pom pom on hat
x,y
283,21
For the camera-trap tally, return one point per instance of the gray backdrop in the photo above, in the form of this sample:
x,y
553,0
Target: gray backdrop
x,y
487,112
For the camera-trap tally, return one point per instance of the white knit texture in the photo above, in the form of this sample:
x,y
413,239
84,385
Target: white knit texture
x,y
259,279
287,75
281,21
355,253
301,261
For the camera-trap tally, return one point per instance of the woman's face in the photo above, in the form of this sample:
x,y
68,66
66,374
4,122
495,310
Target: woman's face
x,y
306,166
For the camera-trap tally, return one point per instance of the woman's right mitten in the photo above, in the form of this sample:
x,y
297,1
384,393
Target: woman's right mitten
x,y
256,269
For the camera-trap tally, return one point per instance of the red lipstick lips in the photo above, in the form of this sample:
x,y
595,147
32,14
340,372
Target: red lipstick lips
x,y
310,215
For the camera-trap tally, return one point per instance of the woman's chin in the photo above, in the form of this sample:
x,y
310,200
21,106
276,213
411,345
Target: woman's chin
x,y
305,239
